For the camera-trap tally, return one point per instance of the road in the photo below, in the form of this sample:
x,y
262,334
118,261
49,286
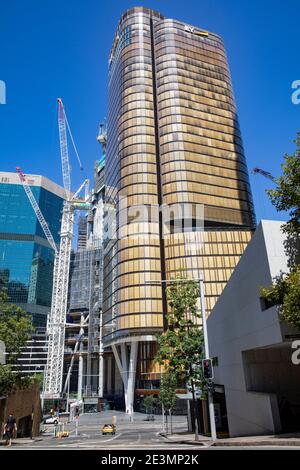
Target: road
x,y
136,435
139,434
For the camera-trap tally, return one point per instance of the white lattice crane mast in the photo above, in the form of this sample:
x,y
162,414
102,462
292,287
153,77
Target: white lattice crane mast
x,y
57,321
44,226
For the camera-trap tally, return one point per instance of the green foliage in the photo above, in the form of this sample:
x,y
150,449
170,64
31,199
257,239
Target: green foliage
x,y
10,381
39,378
149,403
285,292
286,197
180,347
7,379
167,395
15,328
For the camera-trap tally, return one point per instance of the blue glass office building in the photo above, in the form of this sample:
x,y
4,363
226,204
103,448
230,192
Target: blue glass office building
x,y
26,258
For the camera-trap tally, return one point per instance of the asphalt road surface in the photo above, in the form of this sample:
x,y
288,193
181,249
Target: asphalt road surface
x,y
139,434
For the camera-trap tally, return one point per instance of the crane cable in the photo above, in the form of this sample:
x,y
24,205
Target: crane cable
x,y
72,140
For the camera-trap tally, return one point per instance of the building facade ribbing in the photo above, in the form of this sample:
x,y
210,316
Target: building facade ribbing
x,y
173,142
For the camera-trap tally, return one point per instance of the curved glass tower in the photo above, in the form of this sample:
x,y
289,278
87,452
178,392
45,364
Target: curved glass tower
x,y
178,199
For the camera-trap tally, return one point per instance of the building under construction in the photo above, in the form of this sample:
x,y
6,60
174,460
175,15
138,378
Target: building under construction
x,y
74,330
83,368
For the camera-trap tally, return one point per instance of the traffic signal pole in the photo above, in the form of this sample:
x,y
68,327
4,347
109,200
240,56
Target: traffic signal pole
x,y
206,348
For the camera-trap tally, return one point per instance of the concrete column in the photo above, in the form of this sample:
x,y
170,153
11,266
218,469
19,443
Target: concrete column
x,y
80,364
101,361
125,369
80,376
131,378
127,373
109,374
101,375
123,372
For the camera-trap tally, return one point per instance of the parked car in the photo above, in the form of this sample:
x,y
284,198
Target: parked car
x,y
109,429
50,419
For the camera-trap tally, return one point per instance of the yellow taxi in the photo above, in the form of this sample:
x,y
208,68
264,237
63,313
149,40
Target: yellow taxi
x,y
109,429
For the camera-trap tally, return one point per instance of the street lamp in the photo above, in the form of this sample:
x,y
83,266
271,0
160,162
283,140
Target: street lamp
x,y
206,346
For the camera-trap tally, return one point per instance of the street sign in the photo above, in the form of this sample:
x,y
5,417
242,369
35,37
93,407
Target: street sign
x,y
51,396
184,396
90,401
189,395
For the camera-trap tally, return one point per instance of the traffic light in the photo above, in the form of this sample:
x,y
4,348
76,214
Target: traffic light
x,y
207,369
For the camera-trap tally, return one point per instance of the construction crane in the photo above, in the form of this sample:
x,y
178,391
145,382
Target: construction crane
x,y
102,137
56,324
52,243
83,321
36,209
264,173
57,321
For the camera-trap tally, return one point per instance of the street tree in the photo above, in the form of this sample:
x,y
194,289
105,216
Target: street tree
x,y
181,347
167,394
149,403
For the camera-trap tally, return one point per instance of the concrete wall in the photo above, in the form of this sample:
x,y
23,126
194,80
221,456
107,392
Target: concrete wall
x,y
237,324
272,369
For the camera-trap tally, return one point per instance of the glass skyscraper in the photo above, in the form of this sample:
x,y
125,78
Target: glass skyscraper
x,y
173,142
26,258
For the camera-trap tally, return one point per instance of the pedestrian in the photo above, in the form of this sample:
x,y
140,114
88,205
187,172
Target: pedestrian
x,y
9,428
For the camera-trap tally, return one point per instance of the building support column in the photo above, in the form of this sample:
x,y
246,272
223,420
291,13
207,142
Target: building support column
x,y
122,369
125,369
80,376
109,375
101,361
80,363
101,375
127,373
131,378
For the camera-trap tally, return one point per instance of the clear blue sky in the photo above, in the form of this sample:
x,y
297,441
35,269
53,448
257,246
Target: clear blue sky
x,y
54,48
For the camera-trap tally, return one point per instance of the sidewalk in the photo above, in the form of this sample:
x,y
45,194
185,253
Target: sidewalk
x,y
272,440
22,441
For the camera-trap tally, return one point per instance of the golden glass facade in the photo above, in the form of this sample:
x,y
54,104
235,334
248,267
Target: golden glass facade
x,y
173,138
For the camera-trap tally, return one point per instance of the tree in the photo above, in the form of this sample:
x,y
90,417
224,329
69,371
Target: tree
x,y
15,330
180,347
167,394
15,327
285,290
149,403
7,379
10,380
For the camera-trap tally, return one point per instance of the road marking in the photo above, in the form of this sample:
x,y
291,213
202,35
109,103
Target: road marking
x,y
115,437
137,441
